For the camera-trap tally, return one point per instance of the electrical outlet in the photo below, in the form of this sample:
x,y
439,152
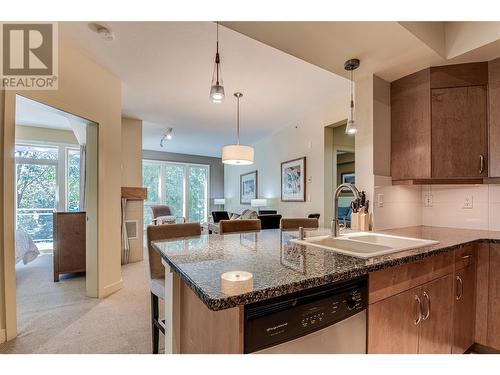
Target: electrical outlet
x,y
380,200
468,202
428,199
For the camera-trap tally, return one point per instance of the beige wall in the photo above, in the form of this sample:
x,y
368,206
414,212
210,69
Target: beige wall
x,y
132,176
92,92
31,133
306,138
2,244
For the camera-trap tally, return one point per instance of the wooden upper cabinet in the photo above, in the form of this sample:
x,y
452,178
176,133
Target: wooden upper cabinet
x,y
411,126
494,119
459,132
439,124
459,75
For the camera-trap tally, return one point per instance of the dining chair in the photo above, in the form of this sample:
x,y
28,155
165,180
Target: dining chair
x,y
157,270
297,222
235,226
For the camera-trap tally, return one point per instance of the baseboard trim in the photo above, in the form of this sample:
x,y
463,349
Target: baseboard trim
x,y
112,288
2,336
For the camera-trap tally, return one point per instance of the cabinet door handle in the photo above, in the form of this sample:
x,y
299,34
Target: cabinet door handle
x,y
428,306
481,164
466,256
419,311
460,288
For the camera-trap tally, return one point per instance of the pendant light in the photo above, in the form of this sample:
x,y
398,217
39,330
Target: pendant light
x,y
237,154
217,88
352,126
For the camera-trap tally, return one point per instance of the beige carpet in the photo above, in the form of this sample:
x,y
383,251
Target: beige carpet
x,y
58,318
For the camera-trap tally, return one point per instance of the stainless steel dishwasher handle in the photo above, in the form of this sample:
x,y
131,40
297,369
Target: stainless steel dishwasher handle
x,y
428,306
419,311
460,288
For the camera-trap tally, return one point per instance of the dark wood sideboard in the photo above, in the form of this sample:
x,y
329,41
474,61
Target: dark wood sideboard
x,y
69,243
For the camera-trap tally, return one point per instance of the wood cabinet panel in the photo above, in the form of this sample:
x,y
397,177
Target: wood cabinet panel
x,y
459,75
411,127
464,309
391,324
494,116
482,281
393,280
436,330
69,230
459,132
202,331
465,256
493,338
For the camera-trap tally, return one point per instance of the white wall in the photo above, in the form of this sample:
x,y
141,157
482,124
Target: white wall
x,y
306,138
405,206
401,206
448,201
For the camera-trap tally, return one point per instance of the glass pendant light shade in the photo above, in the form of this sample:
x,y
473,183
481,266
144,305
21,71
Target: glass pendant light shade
x,y
217,87
237,155
217,93
352,126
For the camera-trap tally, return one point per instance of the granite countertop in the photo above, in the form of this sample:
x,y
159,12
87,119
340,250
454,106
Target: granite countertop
x,y
280,267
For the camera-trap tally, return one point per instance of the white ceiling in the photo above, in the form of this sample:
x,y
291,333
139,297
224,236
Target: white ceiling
x,y
32,113
389,49
166,70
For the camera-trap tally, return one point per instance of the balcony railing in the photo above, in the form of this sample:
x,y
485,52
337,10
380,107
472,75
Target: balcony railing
x,y
37,222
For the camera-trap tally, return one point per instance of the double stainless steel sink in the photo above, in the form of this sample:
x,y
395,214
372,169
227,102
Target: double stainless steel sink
x,y
365,244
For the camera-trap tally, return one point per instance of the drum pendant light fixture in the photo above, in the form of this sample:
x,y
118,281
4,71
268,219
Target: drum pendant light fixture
x,y
352,126
237,154
217,87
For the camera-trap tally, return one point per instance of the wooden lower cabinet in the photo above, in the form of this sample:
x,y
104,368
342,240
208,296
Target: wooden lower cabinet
x,y
464,309
436,327
419,320
493,338
391,324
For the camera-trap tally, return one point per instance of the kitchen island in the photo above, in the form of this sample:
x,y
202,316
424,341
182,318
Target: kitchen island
x,y
202,317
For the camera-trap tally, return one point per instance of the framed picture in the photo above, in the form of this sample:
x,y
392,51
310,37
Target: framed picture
x,y
347,177
248,187
293,180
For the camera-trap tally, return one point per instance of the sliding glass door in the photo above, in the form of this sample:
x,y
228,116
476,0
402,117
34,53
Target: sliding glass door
x,y
181,186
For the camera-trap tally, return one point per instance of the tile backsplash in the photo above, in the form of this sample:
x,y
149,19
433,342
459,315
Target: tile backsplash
x,y
450,202
447,206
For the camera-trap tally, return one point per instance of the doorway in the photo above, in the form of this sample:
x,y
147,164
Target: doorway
x,y
55,209
340,162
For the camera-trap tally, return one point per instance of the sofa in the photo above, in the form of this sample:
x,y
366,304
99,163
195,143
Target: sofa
x,y
268,220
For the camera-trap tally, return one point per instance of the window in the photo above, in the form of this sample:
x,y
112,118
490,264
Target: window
x,y
47,179
183,187
72,179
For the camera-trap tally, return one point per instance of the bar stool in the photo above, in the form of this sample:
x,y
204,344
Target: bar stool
x,y
157,270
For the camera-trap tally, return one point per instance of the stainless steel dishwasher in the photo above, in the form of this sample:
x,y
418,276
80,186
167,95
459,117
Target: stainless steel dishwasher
x,y
323,320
